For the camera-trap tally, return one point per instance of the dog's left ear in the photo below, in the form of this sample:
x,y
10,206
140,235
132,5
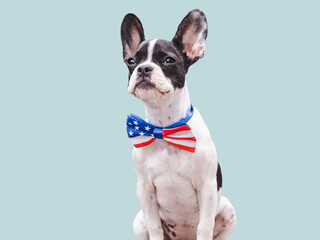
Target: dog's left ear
x,y
191,35
132,34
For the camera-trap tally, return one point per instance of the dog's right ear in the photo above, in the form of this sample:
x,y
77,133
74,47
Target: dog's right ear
x,y
132,34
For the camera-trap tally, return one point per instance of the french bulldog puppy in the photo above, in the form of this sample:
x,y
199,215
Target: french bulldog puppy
x,y
179,178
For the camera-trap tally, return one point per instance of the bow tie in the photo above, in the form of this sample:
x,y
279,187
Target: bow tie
x,y
178,134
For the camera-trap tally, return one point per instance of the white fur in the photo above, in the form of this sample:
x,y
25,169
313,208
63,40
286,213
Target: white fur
x,y
150,49
175,185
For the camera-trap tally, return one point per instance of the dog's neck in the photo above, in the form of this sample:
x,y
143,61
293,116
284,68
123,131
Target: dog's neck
x,y
169,111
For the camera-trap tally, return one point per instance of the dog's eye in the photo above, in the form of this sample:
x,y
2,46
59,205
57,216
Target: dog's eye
x,y
131,61
169,60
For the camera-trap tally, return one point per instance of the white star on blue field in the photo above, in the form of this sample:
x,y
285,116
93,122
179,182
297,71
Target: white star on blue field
x,y
137,127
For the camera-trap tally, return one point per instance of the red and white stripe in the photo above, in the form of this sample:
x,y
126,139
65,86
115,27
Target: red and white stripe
x,y
181,137
142,141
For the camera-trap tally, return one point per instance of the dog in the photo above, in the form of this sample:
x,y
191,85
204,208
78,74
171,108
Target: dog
x,y
179,180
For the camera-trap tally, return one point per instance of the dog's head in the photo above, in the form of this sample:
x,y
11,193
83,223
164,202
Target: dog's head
x,y
157,68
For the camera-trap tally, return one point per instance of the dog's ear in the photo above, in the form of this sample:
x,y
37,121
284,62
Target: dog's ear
x,y
191,35
132,34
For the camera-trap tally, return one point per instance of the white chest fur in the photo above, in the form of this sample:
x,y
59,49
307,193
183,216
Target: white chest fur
x,y
175,175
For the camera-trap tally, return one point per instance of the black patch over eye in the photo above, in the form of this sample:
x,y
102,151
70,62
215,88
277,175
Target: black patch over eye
x,y
169,60
131,61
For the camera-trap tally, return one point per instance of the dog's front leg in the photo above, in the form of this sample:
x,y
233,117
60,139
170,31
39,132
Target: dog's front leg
x,y
207,198
148,202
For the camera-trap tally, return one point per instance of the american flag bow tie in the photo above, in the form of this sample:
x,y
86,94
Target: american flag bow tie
x,y
178,134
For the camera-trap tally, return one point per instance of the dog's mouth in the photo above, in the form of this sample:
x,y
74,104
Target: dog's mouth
x,y
145,83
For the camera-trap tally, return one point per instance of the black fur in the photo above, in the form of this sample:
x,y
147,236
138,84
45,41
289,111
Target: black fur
x,y
176,71
219,177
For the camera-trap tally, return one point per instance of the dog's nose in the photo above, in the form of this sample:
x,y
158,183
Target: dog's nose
x,y
144,70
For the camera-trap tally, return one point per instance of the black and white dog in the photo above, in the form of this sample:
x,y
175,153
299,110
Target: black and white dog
x,y
179,188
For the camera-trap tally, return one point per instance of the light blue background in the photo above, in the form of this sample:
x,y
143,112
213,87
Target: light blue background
x,y
65,161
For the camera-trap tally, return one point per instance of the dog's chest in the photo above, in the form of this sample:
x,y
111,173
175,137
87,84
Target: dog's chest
x,y
176,174
172,172
162,160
